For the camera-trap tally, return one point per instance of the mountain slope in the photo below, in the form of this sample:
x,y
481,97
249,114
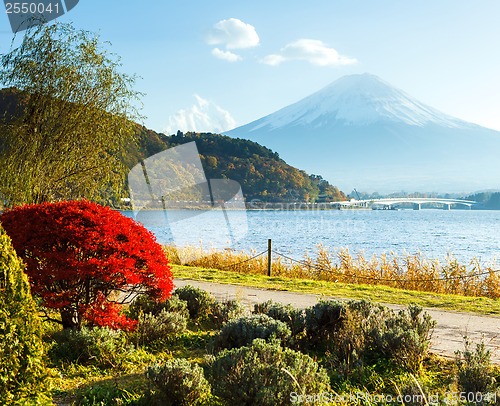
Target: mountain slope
x,y
361,132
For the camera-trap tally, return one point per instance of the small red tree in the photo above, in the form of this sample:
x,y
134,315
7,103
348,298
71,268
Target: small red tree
x,y
78,253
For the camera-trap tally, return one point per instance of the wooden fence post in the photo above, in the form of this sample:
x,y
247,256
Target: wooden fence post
x,y
269,259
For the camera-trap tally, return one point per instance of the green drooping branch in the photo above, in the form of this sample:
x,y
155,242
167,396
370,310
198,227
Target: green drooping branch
x,y
74,114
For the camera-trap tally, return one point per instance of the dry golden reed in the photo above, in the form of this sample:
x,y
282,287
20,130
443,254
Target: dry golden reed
x,y
406,271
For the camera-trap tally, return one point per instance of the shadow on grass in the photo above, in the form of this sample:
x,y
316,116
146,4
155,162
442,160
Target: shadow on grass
x,y
130,389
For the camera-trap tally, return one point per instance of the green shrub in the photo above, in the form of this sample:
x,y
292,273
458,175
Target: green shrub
x,y
474,369
352,341
198,300
99,346
356,330
265,374
144,304
22,371
288,314
179,382
243,331
367,309
323,320
405,336
151,328
349,344
221,313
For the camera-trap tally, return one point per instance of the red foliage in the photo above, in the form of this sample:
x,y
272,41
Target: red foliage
x,y
77,253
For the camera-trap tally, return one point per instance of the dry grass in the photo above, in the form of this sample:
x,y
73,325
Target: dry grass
x,y
410,272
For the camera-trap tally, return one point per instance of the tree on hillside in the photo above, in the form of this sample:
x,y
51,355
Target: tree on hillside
x,y
72,120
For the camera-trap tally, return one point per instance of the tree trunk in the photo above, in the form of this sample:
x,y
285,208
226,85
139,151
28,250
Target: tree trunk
x,y
69,319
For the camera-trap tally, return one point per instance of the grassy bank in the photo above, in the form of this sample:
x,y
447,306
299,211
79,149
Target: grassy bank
x,y
408,272
382,294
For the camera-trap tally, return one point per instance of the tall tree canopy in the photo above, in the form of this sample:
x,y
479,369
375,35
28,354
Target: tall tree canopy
x,y
66,137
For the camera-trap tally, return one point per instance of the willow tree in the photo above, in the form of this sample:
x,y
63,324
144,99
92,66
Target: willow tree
x,y
70,119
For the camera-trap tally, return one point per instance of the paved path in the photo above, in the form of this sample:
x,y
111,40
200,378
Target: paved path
x,y
446,339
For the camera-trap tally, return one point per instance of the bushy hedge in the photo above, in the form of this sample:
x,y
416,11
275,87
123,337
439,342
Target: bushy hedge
x,y
221,313
352,341
144,304
198,300
22,371
265,374
323,320
474,369
293,317
404,336
163,326
99,346
243,331
354,330
179,382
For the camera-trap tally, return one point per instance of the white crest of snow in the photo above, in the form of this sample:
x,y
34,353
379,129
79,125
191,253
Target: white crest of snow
x,y
358,100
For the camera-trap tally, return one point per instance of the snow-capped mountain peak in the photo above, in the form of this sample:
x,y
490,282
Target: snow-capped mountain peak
x,y
357,100
362,132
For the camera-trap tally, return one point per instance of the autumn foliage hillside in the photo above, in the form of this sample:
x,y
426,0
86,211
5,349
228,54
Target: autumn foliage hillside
x,y
261,172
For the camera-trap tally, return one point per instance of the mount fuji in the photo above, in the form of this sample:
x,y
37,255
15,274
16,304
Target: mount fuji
x,y
362,132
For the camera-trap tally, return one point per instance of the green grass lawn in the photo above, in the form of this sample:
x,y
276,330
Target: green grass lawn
x,y
382,294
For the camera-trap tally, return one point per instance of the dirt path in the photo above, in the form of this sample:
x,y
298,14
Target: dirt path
x,y
447,337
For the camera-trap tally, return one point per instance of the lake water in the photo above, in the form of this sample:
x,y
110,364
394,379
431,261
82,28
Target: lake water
x,y
465,233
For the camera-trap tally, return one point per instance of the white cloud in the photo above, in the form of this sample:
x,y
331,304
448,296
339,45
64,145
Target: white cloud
x,y
203,116
273,60
313,51
226,55
233,34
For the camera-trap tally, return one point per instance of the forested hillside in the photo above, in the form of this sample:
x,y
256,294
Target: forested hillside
x,y
260,171
488,200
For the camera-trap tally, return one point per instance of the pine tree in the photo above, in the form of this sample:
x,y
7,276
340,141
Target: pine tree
x,y
22,371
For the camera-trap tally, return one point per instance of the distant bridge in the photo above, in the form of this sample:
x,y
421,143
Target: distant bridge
x,y
392,203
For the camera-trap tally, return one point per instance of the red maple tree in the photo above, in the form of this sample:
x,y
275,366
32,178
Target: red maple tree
x,y
79,255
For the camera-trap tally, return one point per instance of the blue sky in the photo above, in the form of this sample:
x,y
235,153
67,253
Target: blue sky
x,y
216,64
